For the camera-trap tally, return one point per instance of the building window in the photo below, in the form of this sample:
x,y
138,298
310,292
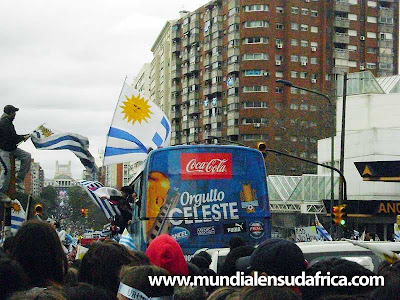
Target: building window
x,y
295,10
256,24
314,60
254,72
293,74
255,104
256,40
256,56
257,7
255,88
304,11
278,90
303,75
279,74
294,26
279,26
314,13
304,27
314,29
294,42
279,10
294,58
294,106
371,66
304,106
304,43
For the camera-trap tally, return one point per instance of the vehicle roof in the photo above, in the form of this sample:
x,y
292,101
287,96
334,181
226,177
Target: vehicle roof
x,y
178,147
343,246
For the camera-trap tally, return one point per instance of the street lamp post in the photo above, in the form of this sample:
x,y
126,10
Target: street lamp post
x,y
333,133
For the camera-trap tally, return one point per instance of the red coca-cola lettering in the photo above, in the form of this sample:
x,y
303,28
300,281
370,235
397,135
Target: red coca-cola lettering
x,y
206,166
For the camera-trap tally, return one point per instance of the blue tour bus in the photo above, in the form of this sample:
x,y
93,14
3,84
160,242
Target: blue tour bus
x,y
202,195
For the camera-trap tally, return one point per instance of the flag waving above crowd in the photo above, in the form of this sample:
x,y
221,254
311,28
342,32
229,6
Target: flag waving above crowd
x,y
45,139
137,127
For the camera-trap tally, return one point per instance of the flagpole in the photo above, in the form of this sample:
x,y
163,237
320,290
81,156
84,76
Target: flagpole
x,y
119,97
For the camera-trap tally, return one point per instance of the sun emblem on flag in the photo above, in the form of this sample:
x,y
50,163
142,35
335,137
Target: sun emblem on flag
x,y
15,207
136,109
45,131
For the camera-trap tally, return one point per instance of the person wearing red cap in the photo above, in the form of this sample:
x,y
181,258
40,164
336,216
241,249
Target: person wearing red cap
x,y
165,252
8,145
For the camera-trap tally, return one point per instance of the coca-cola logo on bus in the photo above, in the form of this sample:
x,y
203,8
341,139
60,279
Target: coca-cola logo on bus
x,y
206,166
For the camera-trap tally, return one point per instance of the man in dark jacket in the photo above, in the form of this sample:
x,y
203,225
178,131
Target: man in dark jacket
x,y
9,141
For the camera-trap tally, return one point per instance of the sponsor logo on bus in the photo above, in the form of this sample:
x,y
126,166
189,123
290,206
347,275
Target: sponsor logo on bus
x,y
236,227
206,166
256,230
180,234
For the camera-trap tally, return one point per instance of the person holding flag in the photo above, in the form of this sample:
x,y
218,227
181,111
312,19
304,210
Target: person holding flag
x,y
9,145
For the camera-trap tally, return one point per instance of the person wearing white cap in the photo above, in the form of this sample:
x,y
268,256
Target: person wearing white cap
x,y
9,141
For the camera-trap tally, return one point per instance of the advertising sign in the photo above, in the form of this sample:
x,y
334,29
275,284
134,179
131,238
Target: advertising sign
x,y
205,195
306,234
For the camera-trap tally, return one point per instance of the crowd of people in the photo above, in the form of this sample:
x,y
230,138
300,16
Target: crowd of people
x,y
33,265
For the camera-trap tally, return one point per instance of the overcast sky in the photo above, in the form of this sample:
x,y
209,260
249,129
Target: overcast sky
x,y
63,63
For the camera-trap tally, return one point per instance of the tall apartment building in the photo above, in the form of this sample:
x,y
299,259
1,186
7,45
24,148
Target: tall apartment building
x,y
142,80
34,180
227,55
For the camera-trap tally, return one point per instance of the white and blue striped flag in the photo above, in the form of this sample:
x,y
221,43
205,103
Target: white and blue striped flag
x,y
127,240
396,233
17,216
138,126
45,139
104,204
321,231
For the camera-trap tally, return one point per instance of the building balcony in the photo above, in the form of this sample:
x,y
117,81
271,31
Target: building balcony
x,y
175,141
194,67
185,70
233,99
206,120
193,95
175,34
185,125
185,56
175,100
233,115
233,52
386,28
176,47
175,114
233,68
341,38
193,137
176,73
186,42
216,27
216,58
207,47
185,98
174,126
175,88
175,60
216,73
195,24
341,53
184,83
185,112
207,16
233,4
193,109
193,123
340,70
216,119
385,43
388,59
216,12
215,88
185,28
207,60
386,12
342,6
216,43
341,22
216,132
235,19
194,80
233,130
195,38
234,36
206,76
206,134
184,139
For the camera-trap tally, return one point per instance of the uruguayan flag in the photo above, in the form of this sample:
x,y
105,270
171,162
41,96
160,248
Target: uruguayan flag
x,y
44,139
17,216
396,233
138,126
321,231
106,207
127,240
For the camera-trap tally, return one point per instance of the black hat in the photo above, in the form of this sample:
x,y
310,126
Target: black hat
x,y
8,109
277,257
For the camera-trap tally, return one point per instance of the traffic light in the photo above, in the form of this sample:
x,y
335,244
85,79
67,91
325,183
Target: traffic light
x,y
262,148
339,215
84,212
342,215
